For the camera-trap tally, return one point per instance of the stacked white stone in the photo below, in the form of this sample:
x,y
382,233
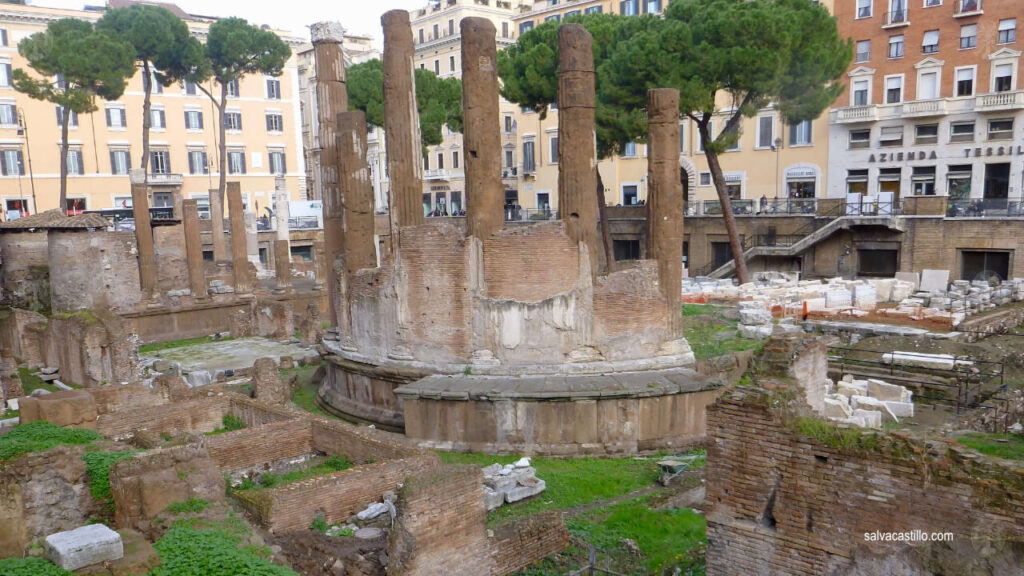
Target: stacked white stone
x,y
510,483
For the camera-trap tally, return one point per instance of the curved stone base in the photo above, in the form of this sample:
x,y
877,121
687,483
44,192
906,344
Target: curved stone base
x,y
364,393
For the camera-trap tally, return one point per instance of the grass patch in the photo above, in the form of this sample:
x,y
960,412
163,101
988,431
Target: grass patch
x,y
326,466
31,382
1007,446
711,334
39,436
97,466
11,414
230,423
158,346
847,439
30,567
571,482
190,506
305,391
663,536
190,548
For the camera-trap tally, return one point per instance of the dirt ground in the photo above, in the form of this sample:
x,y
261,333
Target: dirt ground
x,y
311,553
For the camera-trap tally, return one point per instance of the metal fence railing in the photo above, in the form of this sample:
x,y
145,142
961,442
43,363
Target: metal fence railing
x,y
984,208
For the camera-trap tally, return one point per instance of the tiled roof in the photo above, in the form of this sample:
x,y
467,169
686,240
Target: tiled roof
x,y
56,219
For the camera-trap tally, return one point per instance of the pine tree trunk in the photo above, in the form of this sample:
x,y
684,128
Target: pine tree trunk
x,y
606,238
723,196
147,117
222,147
65,119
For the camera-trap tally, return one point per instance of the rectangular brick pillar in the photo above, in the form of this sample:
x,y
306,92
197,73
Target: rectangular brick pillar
x,y
143,233
401,122
282,265
360,249
239,254
193,248
665,199
485,195
577,156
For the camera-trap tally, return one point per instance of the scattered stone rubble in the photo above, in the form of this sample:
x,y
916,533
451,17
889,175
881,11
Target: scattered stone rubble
x,y
866,403
510,483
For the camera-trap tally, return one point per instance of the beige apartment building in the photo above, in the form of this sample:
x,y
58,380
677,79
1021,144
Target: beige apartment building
x,y
263,139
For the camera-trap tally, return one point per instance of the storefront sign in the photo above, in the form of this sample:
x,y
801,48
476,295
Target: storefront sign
x,y
801,173
903,156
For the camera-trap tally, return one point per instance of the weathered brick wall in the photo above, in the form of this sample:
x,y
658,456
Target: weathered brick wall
x,y
435,262
999,322
935,243
359,444
255,413
198,320
338,496
15,336
254,446
116,398
25,274
629,312
441,527
530,263
198,415
518,544
779,503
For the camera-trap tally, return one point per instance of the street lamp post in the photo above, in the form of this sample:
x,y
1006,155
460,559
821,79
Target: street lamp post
x,y
777,147
23,131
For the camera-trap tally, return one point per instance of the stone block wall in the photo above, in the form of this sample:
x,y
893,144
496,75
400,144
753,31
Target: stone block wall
x,y
782,503
91,348
171,262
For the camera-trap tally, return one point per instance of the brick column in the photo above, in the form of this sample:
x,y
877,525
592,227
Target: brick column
x,y
282,265
331,99
360,249
401,123
577,156
220,251
665,199
239,254
485,195
193,248
143,233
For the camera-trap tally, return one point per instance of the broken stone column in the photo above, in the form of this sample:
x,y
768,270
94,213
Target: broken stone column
x,y
282,212
143,233
176,199
266,382
282,265
194,249
360,249
220,251
252,245
485,195
401,122
665,199
577,155
239,255
331,99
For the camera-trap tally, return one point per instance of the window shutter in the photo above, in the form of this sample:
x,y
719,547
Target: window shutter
x,y
60,116
113,162
3,37
792,134
3,163
124,117
242,156
284,164
200,116
269,128
204,170
20,168
108,116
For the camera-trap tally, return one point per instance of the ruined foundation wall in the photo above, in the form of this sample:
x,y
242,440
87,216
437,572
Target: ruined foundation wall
x,y
26,269
90,347
629,312
199,415
530,263
93,270
254,446
117,398
781,503
518,544
171,260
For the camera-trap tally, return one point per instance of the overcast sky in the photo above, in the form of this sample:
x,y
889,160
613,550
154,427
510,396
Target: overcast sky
x,y
357,16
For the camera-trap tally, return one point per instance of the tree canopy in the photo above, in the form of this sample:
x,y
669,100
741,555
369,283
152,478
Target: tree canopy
x,y
438,100
727,58
86,63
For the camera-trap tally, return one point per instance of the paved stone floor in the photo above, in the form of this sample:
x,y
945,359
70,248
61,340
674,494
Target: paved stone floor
x,y
228,355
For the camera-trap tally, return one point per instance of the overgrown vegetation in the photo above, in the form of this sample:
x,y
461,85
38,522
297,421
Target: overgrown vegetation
x,y
31,382
30,567
190,506
325,466
1007,446
39,436
710,333
229,423
158,346
846,439
305,391
190,548
97,466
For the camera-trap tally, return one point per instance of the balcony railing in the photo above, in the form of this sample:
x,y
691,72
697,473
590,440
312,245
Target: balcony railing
x,y
985,208
516,214
440,174
1000,101
165,179
920,108
897,18
966,7
852,114
294,223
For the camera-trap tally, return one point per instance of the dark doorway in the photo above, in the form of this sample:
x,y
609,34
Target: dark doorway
x,y
877,263
997,181
626,250
978,265
721,254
